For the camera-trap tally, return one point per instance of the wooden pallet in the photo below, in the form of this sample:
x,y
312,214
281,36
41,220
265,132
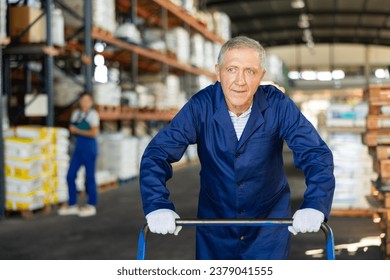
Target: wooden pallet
x,y
375,93
26,214
378,121
382,152
375,107
107,112
352,212
377,137
108,186
383,168
100,30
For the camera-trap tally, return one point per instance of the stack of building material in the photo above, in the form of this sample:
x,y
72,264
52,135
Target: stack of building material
x,y
118,154
107,94
103,14
197,50
35,160
178,41
347,115
166,96
377,139
353,170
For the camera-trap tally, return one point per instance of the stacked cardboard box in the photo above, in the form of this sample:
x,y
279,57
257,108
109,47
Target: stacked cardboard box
x,y
22,16
377,139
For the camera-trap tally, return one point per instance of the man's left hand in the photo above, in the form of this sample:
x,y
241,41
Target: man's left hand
x,y
306,220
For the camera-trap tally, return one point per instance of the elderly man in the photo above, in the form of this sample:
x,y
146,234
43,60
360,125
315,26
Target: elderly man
x,y
239,128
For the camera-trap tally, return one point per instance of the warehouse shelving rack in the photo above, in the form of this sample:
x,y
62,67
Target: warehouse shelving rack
x,y
169,15
166,15
47,52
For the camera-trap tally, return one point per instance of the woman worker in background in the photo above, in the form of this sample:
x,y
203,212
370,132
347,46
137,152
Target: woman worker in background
x,y
85,126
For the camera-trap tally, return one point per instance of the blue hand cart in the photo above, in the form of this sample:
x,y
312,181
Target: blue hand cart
x,y
330,253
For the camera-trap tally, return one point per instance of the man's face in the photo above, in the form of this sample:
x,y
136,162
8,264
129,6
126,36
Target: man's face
x,y
240,75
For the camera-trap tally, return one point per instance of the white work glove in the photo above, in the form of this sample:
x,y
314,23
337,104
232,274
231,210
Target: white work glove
x,y
306,220
162,221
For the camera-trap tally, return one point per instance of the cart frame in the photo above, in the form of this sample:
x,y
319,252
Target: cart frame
x,y
329,239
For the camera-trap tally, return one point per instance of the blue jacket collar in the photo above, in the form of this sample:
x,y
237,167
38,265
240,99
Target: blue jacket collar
x,y
256,119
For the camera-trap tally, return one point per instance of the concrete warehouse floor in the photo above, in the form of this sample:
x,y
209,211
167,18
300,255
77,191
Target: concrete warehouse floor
x,y
113,233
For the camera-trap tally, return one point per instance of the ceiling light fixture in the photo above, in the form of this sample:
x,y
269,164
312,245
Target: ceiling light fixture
x,y
338,74
297,4
303,21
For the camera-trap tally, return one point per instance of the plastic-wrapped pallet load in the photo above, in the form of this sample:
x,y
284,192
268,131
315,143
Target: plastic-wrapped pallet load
x,y
129,33
199,82
192,152
58,27
222,25
209,61
153,39
25,173
36,160
61,145
190,6
346,115
167,95
178,41
353,171
108,94
197,50
66,90
216,49
118,155
146,99
103,14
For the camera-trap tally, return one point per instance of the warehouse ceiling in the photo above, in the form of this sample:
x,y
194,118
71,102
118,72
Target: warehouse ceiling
x,y
277,23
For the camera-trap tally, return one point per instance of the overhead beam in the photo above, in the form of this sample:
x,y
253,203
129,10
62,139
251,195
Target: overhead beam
x,y
215,3
296,14
313,28
322,40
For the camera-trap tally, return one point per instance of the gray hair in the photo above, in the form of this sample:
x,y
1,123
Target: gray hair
x,y
242,42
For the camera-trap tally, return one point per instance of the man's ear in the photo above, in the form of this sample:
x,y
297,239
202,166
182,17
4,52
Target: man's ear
x,y
262,75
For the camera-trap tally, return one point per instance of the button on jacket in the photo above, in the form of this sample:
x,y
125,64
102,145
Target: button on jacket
x,y
240,179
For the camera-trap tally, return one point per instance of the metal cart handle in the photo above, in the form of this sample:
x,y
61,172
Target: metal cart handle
x,y
330,253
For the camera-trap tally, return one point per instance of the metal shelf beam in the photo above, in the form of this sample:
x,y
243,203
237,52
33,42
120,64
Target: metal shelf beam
x,y
49,63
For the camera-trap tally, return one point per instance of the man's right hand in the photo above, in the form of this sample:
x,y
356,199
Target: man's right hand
x,y
163,221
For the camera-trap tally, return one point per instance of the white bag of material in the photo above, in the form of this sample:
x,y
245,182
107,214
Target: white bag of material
x,y
107,94
65,89
58,28
197,50
222,25
178,41
103,14
209,61
129,32
119,155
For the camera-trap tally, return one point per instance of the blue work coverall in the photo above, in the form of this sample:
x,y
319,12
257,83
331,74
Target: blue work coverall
x,y
85,153
240,179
